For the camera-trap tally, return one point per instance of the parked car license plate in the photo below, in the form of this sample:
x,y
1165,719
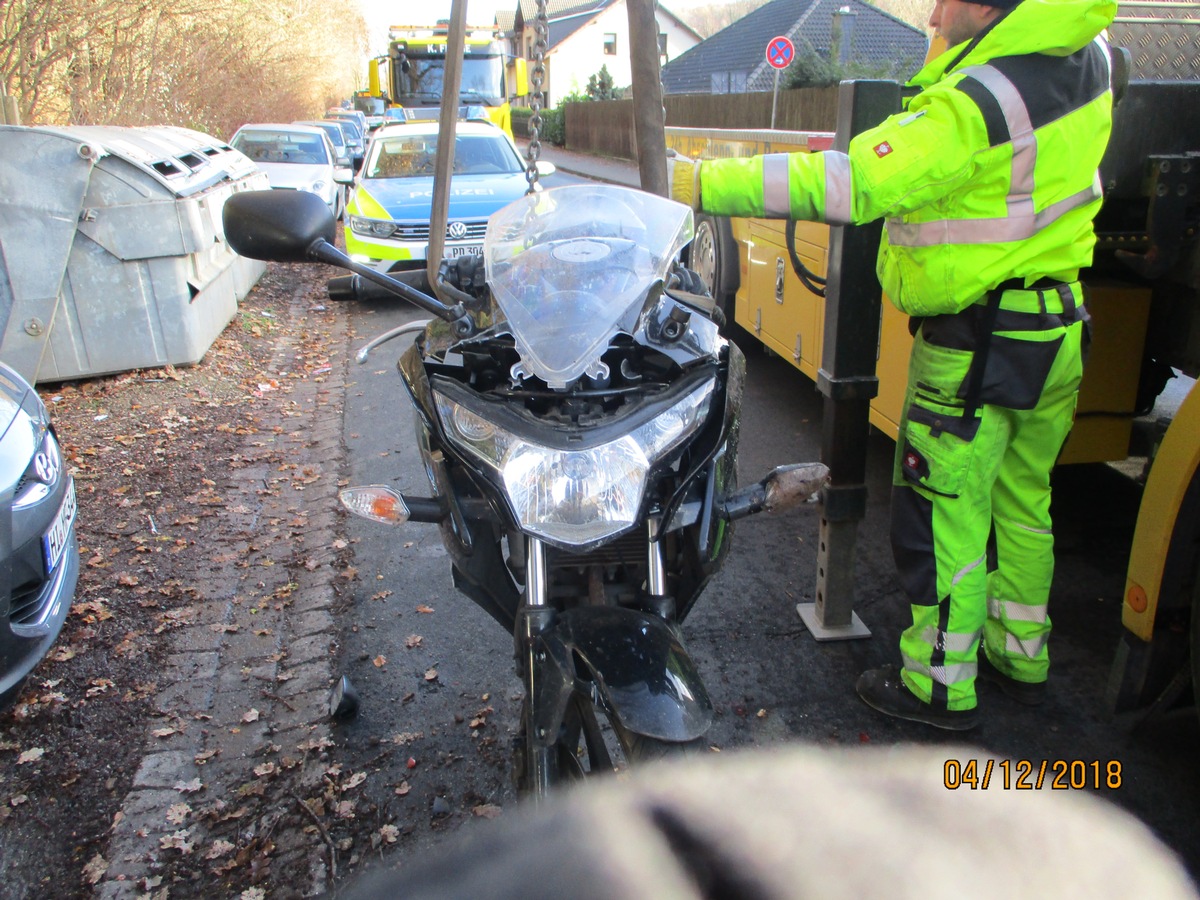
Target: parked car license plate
x,y
54,541
454,250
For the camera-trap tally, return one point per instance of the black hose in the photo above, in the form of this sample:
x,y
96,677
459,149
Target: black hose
x,y
808,278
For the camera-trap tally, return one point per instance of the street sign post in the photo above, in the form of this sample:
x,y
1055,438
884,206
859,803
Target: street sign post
x,y
780,53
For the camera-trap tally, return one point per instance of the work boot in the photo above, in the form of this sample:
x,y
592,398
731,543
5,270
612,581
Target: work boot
x,y
1030,693
883,689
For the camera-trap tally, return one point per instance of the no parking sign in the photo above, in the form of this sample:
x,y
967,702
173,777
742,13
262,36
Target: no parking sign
x,y
780,52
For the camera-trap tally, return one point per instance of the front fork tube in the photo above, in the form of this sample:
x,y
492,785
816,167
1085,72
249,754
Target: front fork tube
x,y
658,600
537,618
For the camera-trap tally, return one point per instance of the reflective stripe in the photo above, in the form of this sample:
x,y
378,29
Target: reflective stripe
x,y
1035,530
777,203
1022,222
1020,131
1100,42
965,570
1028,648
986,231
950,641
837,187
1017,612
946,675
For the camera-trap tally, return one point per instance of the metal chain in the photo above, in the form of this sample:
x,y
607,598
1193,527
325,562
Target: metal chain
x,y
541,29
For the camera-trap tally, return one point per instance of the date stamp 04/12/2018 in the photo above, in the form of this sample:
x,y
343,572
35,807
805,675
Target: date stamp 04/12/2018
x,y
1032,774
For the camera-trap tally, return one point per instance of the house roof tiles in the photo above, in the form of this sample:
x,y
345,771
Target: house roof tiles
x,y
877,39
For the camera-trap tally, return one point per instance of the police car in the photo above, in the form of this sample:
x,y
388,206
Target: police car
x,y
387,218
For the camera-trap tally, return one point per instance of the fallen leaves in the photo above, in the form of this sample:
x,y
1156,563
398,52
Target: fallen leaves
x,y
177,813
179,840
423,608
92,611
220,847
98,686
95,869
31,755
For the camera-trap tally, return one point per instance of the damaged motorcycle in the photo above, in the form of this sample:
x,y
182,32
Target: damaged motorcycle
x,y
577,414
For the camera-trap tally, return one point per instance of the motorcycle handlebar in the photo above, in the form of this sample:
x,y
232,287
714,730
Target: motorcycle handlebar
x,y
344,288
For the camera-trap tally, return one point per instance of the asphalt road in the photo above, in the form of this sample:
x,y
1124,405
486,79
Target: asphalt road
x,y
440,700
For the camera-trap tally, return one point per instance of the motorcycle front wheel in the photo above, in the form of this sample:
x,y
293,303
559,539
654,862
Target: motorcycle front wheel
x,y
590,744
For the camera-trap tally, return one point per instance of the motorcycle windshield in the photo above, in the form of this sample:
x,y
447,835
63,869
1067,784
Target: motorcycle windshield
x,y
571,266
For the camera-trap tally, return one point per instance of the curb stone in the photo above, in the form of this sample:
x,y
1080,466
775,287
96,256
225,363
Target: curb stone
x,y
217,669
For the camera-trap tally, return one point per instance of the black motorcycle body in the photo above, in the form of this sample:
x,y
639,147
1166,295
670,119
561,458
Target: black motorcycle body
x,y
577,414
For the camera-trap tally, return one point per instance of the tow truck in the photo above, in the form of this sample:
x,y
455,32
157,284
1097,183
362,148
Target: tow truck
x,y
412,73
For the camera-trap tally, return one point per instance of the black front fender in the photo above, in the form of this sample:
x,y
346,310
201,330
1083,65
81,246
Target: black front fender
x,y
642,673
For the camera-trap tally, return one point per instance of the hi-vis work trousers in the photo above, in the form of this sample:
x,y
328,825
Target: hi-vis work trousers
x,y
971,486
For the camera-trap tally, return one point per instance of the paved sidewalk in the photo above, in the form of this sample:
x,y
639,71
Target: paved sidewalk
x,y
245,690
600,168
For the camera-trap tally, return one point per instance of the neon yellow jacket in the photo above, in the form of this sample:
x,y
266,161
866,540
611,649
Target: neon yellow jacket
x,y
989,173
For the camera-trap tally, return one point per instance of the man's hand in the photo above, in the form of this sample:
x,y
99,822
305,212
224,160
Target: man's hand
x,y
683,178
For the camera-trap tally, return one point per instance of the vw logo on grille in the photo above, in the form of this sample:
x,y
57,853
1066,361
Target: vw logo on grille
x,y
456,231
46,465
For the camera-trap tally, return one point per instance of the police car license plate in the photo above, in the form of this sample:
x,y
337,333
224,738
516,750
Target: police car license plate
x,y
464,250
54,541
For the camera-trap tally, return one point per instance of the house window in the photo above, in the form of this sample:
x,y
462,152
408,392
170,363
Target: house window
x,y
719,83
737,82
610,44
662,44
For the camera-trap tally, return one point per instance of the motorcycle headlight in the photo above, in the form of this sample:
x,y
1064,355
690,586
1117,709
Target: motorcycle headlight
x,y
578,496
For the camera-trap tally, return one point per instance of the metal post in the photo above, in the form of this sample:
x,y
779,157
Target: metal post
x,y
443,164
648,117
847,380
774,99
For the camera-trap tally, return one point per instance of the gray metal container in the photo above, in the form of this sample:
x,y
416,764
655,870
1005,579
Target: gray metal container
x,y
112,255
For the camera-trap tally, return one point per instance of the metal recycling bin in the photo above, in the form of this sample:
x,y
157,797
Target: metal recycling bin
x,y
112,254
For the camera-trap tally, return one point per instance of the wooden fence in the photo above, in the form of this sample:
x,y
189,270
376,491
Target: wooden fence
x,y
605,127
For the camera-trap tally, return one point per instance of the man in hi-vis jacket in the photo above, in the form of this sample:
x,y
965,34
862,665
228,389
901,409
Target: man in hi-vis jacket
x,y
987,184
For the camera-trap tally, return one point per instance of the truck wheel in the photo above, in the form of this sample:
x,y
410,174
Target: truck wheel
x,y
714,258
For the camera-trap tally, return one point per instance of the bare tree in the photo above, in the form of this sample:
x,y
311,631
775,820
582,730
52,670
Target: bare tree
x,y
205,64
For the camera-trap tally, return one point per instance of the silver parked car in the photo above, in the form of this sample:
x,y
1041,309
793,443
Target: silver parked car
x,y
39,553
296,158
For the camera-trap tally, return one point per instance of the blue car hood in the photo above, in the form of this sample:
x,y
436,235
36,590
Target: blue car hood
x,y
471,196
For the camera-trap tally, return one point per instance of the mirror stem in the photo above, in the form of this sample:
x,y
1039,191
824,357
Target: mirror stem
x,y
464,326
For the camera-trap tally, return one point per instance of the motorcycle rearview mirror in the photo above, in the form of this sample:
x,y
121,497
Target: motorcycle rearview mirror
x,y
296,226
277,226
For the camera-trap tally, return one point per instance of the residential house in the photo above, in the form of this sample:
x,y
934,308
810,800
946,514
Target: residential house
x,y
583,37
853,32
